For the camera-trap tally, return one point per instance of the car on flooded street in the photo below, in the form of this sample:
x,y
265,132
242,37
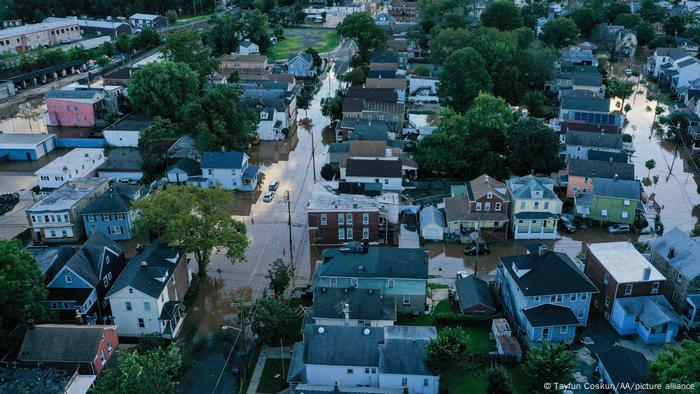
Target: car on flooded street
x,y
267,197
619,229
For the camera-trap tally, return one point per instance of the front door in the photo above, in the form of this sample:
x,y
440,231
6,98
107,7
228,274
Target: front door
x,y
545,333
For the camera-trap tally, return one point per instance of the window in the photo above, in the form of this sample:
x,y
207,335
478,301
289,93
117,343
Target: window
x,y
120,216
105,280
404,381
522,204
580,313
365,218
128,306
628,289
546,205
341,233
406,300
106,217
575,189
348,219
679,277
585,180
107,262
66,305
69,279
537,298
54,305
604,212
91,218
426,382
142,324
390,283
563,329
349,234
489,195
386,181
341,219
573,297
498,207
353,282
366,370
537,205
607,301
487,206
654,287
146,306
374,370
109,345
131,291
560,298
674,296
365,233
350,371
583,296
334,282
324,219
605,279
478,206
627,203
102,357
624,214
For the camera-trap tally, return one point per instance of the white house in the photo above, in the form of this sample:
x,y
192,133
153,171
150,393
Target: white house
x,y
78,163
432,223
182,170
147,296
248,47
125,132
230,170
276,109
664,56
374,170
378,358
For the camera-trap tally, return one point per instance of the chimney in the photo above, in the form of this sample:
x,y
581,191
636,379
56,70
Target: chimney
x,y
144,264
610,160
542,250
646,274
486,179
336,389
671,252
346,312
78,318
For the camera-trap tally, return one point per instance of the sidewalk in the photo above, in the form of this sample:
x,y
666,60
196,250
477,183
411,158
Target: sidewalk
x,y
265,353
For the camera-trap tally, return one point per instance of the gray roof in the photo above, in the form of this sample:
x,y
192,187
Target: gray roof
x,y
110,202
673,53
688,62
473,291
61,343
222,160
77,94
16,138
48,259
158,258
686,258
606,156
653,310
34,380
626,367
186,165
403,357
587,79
87,261
553,273
374,168
597,140
601,169
376,263
431,215
131,122
629,190
526,186
342,345
585,102
550,315
122,159
364,304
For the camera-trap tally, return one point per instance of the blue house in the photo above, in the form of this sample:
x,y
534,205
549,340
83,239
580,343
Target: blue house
x,y
111,212
546,294
650,317
79,287
301,65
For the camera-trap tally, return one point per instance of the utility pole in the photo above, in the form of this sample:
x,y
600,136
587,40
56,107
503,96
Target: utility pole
x,y
313,154
289,224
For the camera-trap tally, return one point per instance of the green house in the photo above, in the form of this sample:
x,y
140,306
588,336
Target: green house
x,y
612,201
394,272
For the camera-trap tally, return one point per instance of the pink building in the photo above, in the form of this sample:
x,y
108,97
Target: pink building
x,y
75,108
582,172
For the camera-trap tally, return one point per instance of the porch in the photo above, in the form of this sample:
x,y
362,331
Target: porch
x,y
171,318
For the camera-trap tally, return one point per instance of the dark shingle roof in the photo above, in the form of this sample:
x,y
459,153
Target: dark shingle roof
x,y
62,343
606,156
364,304
187,165
342,345
553,273
403,357
222,160
601,169
86,262
624,366
142,278
78,94
630,190
550,315
122,159
473,291
110,202
376,263
373,168
35,380
585,102
599,140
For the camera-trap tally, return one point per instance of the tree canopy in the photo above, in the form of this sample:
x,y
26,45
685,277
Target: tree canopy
x,y
680,365
185,46
560,32
462,78
586,18
223,33
360,27
273,320
280,276
154,160
448,352
619,88
163,88
547,364
503,15
194,219
533,147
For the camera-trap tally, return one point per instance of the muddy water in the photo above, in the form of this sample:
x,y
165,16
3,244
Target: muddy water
x,y
27,118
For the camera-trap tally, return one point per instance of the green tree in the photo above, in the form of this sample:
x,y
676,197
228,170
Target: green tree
x,y
422,71
487,119
645,33
462,78
650,165
360,27
273,320
224,30
171,16
123,43
256,27
146,39
532,147
498,381
651,11
676,123
280,275
163,88
559,32
333,107
318,62
679,365
185,46
448,353
22,285
534,101
630,21
503,15
586,18
157,371
330,172
194,219
619,88
675,25
154,158
218,120
546,364
447,41
614,10
533,11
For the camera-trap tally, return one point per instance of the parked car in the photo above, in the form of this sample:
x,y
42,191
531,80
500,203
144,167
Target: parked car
x,y
273,186
481,249
567,224
619,228
628,72
267,197
462,274
645,230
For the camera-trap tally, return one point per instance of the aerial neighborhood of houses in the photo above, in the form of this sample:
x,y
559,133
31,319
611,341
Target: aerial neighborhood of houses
x,y
367,197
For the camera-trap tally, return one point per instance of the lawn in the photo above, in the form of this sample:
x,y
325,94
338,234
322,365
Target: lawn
x,y
284,48
329,42
475,383
273,379
182,21
425,320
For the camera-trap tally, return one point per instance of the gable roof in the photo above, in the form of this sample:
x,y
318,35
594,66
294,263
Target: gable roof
x,y
587,101
686,252
342,345
526,187
598,140
160,261
473,291
653,310
376,263
363,304
550,315
673,53
109,202
601,169
87,261
374,168
367,148
626,367
552,273
600,155
484,184
431,215
187,165
62,343
232,160
456,208
630,190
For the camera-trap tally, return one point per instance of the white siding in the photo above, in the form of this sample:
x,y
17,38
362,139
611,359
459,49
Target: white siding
x,y
330,374
127,321
416,383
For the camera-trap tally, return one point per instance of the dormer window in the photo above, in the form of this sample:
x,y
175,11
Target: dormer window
x,y
489,195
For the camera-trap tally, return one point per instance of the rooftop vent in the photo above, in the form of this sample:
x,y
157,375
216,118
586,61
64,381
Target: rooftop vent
x,y
646,274
671,252
366,331
144,264
542,250
321,330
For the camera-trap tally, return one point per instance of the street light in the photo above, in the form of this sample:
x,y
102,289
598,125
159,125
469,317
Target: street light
x,y
230,328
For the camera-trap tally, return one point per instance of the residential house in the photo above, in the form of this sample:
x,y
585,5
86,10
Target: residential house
x,y
534,207
388,359
546,294
111,212
579,57
663,56
565,127
378,81
610,201
70,347
487,208
399,273
276,108
122,164
247,66
680,73
376,149
75,108
338,217
55,218
142,21
627,282
229,170
351,306
26,146
579,143
182,170
247,47
623,369
147,297
78,163
387,172
457,213
432,224
676,255
404,11
301,65
126,132
385,20
687,45
474,296
581,174
354,128
588,107
41,380
77,289
393,113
